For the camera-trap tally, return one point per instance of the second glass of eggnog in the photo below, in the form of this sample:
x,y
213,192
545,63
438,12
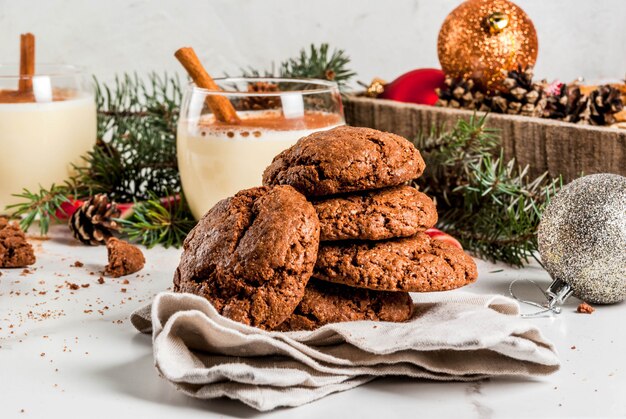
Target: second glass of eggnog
x,y
44,130
216,160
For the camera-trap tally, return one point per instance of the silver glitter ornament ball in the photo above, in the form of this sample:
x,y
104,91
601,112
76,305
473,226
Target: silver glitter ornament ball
x,y
582,237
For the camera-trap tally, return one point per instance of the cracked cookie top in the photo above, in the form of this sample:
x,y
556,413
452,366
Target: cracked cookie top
x,y
345,159
399,211
412,264
252,255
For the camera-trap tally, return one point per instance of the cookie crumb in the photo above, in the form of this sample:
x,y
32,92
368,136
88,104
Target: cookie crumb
x,y
78,264
101,280
72,286
15,251
585,308
126,282
124,258
573,347
85,285
123,290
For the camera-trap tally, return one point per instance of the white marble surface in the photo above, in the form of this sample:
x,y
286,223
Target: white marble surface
x,y
384,38
77,363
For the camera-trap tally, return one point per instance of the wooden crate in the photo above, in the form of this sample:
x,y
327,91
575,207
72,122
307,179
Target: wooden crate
x,y
545,145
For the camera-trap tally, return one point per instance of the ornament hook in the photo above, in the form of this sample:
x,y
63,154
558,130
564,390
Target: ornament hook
x,y
555,295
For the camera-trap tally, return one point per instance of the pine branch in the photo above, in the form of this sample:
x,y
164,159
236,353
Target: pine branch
x,y
159,221
41,206
448,154
316,63
136,150
492,206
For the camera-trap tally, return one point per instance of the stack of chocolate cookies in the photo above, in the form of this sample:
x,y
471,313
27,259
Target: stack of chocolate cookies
x,y
336,234
372,223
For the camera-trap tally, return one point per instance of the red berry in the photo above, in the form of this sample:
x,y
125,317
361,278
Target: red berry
x,y
437,234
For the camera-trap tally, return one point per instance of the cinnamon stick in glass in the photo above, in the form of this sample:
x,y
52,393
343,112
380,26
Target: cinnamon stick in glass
x,y
220,105
27,62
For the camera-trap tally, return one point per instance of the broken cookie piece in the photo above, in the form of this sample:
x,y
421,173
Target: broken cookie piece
x,y
585,308
124,258
15,251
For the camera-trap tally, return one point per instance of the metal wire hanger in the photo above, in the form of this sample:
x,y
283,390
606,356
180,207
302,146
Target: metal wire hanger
x,y
555,295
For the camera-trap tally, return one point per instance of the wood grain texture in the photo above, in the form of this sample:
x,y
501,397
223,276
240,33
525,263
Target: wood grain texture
x,y
545,145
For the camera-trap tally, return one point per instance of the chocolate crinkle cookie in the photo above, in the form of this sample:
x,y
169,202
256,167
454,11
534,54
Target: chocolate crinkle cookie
x,y
399,211
124,258
345,159
252,255
15,251
325,303
412,264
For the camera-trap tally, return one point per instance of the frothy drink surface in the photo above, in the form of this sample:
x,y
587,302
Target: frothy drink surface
x,y
217,160
16,96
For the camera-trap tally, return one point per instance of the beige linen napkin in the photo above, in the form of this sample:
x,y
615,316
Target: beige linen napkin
x,y
452,336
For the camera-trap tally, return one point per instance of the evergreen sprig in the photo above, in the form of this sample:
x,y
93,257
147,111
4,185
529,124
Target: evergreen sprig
x,y
164,221
491,205
135,155
317,62
42,205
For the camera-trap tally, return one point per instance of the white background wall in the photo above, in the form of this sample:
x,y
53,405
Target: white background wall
x,y
384,37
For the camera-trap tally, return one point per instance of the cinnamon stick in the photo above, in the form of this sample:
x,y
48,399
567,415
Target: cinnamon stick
x,y
27,62
220,105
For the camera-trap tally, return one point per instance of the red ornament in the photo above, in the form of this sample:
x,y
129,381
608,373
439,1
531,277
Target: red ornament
x,y
440,235
417,86
68,208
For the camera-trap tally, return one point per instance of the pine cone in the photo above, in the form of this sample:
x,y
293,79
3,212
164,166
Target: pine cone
x,y
519,95
571,105
568,105
257,103
459,93
93,222
604,103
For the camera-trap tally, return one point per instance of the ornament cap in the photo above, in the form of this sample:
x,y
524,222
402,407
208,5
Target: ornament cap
x,y
558,292
375,88
497,22
555,295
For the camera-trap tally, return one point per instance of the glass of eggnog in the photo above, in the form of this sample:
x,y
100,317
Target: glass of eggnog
x,y
45,127
217,159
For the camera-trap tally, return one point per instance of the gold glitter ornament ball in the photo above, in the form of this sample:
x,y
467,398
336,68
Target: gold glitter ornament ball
x,y
582,237
485,39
